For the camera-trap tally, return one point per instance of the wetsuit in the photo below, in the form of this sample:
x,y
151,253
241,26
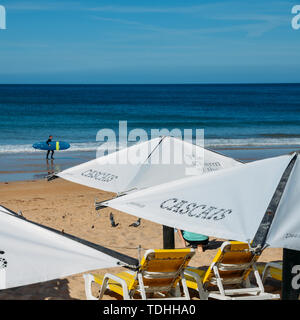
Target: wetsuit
x,y
52,151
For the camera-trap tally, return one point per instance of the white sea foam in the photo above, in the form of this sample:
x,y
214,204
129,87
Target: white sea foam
x,y
93,146
252,142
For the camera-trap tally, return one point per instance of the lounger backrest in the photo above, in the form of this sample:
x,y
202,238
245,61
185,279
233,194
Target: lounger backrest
x,y
234,262
161,268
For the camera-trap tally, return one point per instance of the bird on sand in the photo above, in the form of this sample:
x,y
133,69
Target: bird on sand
x,y
136,224
112,220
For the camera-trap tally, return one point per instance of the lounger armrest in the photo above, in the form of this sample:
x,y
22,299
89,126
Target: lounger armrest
x,y
258,279
267,268
115,278
88,279
202,293
192,274
122,282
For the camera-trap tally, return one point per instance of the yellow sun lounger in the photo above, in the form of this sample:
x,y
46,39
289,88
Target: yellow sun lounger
x,y
272,270
229,273
160,272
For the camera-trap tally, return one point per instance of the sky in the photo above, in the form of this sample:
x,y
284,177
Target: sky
x,y
140,42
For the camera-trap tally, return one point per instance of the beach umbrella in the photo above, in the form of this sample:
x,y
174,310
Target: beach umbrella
x,y
259,201
146,164
32,253
228,204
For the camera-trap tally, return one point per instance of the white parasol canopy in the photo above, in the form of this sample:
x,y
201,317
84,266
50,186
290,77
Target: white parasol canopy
x,y
31,253
147,164
229,204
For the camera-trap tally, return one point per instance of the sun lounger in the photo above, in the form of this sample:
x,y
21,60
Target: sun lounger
x,y
229,273
160,272
271,270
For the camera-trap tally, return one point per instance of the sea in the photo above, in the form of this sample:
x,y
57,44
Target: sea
x,y
244,121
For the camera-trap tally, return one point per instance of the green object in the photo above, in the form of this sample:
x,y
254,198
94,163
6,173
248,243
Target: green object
x,y
190,236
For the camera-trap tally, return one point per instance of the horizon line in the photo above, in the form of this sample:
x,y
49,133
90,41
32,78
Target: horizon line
x,y
145,84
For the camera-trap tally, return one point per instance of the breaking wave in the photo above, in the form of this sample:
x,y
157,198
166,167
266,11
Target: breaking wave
x,y
93,146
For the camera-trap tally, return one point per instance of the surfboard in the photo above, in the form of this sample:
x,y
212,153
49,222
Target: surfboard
x,y
54,145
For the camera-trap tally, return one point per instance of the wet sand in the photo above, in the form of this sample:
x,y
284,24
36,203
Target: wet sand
x,y
33,166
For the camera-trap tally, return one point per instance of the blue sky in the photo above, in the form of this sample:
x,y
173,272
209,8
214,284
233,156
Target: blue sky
x,y
137,41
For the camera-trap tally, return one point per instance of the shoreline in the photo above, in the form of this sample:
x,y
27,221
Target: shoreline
x,y
33,166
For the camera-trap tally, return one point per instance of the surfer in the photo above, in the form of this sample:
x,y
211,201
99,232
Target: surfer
x,y
52,151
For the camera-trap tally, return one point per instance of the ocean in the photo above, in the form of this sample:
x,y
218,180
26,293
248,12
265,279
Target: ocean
x,y
234,117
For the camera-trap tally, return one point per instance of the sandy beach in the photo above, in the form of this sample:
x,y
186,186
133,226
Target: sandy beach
x,y
70,207
191,113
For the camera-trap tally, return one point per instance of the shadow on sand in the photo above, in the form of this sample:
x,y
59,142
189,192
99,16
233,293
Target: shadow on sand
x,y
51,290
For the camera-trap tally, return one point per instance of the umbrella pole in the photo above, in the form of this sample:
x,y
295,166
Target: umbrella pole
x,y
168,237
290,275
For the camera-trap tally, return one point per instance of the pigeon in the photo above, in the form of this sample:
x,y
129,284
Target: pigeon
x,y
112,221
136,224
